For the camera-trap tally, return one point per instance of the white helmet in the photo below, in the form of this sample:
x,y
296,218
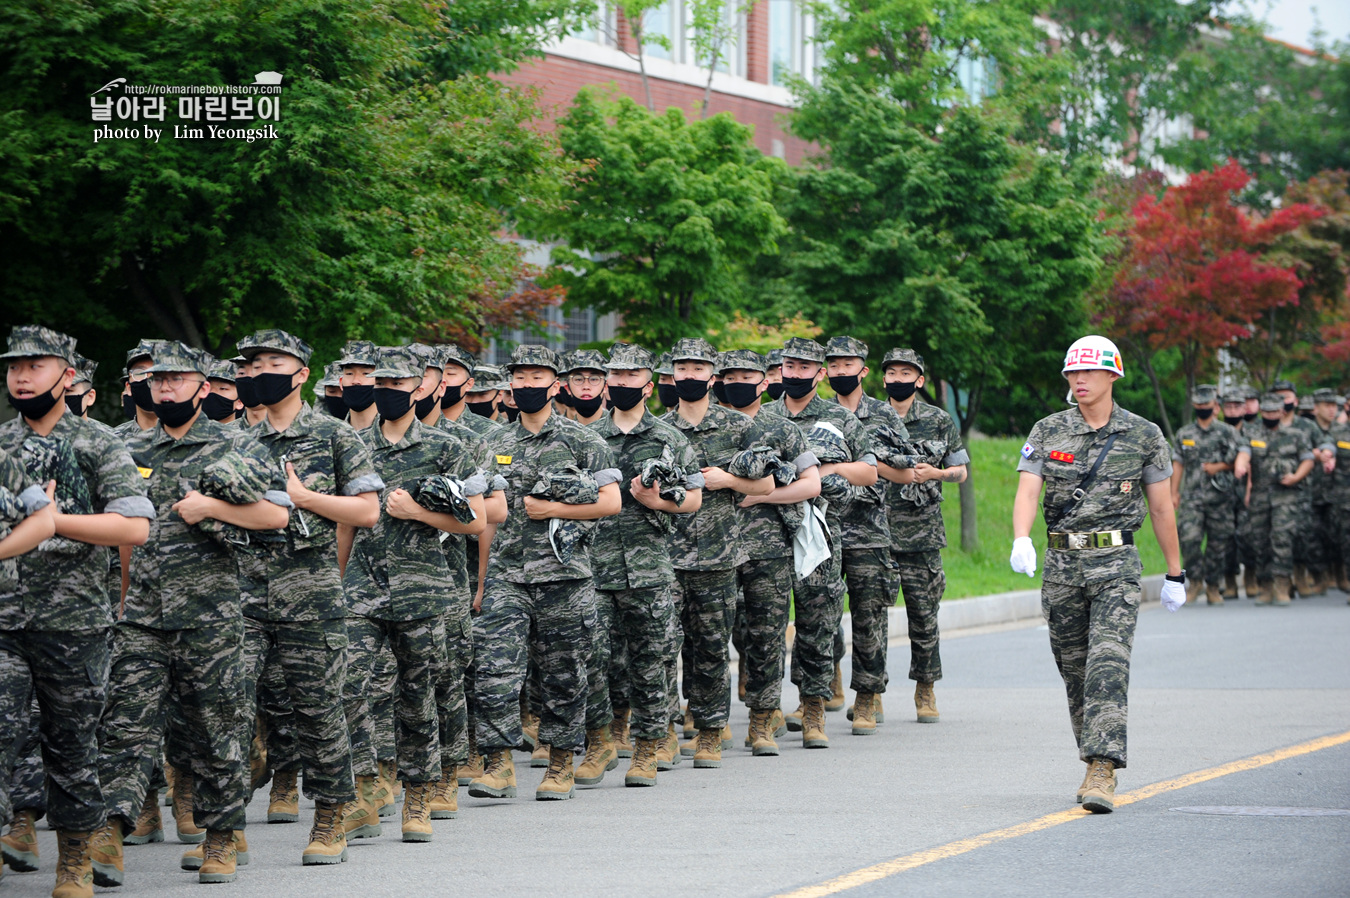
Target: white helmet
x,y
1093,352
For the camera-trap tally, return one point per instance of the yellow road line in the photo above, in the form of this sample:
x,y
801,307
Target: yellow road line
x,y
952,849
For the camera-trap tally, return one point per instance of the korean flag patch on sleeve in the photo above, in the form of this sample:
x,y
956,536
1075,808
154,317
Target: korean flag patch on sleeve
x,y
1027,450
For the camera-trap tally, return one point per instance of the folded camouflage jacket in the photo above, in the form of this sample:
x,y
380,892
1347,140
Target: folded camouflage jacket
x,y
444,495
572,486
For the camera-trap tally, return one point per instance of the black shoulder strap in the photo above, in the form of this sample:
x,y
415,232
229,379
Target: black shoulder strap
x,y
1083,484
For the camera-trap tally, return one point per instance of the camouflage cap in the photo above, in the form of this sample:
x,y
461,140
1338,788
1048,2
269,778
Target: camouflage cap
x,y
31,341
845,348
1272,402
452,354
585,360
275,340
429,356
1328,396
532,355
1283,385
803,349
628,357
142,350
1234,395
397,361
489,377
1250,393
358,352
84,370
173,357
1204,393
221,371
1305,403
331,372
742,360
775,358
664,365
693,349
903,357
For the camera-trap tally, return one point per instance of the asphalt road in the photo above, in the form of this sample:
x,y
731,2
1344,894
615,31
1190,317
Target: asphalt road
x,y
1210,686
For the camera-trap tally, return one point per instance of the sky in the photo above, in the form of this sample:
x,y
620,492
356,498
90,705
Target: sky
x,y
1292,20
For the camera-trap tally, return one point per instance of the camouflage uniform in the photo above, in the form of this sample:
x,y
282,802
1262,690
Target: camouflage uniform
x,y
1240,552
527,585
1090,597
1339,436
56,614
182,632
1206,508
819,598
1323,552
294,609
1275,513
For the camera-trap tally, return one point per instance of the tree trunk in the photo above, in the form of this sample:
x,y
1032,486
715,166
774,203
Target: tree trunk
x,y
1147,365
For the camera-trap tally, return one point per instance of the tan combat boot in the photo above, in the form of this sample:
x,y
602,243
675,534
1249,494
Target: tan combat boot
x,y
600,758
708,747
925,703
1282,587
194,857
1265,593
1317,584
794,720
19,846
760,738
383,796
105,855
1213,596
445,797
1230,587
74,871
189,832
1342,580
170,777
668,750
642,769
149,823
690,730
1100,795
360,817
778,725
837,699
220,861
878,715
529,726
539,757
327,841
864,723
417,811
813,722
558,781
1087,780
470,771
621,734
1250,586
498,779
1193,588
283,801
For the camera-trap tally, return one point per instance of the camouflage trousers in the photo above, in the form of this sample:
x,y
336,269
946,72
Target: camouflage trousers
x,y
1273,521
1091,635
452,709
1322,538
873,578
563,614
419,652
706,604
818,601
1239,551
922,582
274,707
620,684
205,670
312,658
599,711
765,590
1206,530
66,676
383,689
28,784
644,621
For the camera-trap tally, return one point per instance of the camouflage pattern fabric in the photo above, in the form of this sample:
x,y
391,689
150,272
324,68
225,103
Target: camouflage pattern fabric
x,y
571,486
444,495
452,710
644,618
863,522
28,784
1339,437
923,581
706,604
378,729
934,439
872,578
1277,513
31,340
1205,520
765,585
664,471
766,531
706,540
235,480
274,340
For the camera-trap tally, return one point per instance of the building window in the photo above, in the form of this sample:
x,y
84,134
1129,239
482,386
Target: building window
x,y
601,26
791,42
663,21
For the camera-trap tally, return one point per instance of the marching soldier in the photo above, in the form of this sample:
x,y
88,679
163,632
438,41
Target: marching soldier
x,y
1281,459
1203,486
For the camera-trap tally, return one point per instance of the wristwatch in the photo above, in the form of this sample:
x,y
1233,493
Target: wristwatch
x,y
1179,578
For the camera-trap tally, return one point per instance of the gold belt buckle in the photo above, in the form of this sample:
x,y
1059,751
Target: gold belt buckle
x,y
1079,540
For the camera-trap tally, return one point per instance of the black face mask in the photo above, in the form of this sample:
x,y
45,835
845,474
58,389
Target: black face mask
x,y
691,390
1250,416
128,407
530,399
720,391
1204,414
217,407
1307,414
775,391
244,387
1289,407
563,398
336,406
452,396
35,407
75,404
799,387
482,409
741,395
272,388
844,385
669,396
587,407
357,397
392,404
140,392
176,414
511,413
900,390
1271,423
624,398
425,405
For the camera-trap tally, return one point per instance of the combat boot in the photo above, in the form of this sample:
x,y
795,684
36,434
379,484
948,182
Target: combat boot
x,y
813,722
1299,584
778,725
668,750
1250,584
194,857
1213,596
74,870
529,727
1087,780
642,769
498,779
708,748
1099,796
539,757
925,703
558,783
417,811
600,758
283,801
1230,587
1193,588
1342,581
149,823
383,796
327,841
220,862
878,715
189,832
170,777
1282,587
360,817
445,797
19,846
793,721
621,734
106,857
740,678
1317,584
864,723
690,730
259,774
760,738
837,699
470,771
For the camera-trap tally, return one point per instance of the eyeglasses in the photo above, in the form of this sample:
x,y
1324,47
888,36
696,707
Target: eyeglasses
x,y
586,380
172,381
138,376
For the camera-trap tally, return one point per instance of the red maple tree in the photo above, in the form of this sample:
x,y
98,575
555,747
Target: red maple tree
x,y
520,304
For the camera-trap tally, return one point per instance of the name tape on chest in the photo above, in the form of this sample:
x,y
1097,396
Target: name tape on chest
x,y
1258,444
1188,442
1066,457
1342,444
145,472
503,459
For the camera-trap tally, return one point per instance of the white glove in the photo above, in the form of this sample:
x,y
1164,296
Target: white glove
x,y
1023,559
1173,595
